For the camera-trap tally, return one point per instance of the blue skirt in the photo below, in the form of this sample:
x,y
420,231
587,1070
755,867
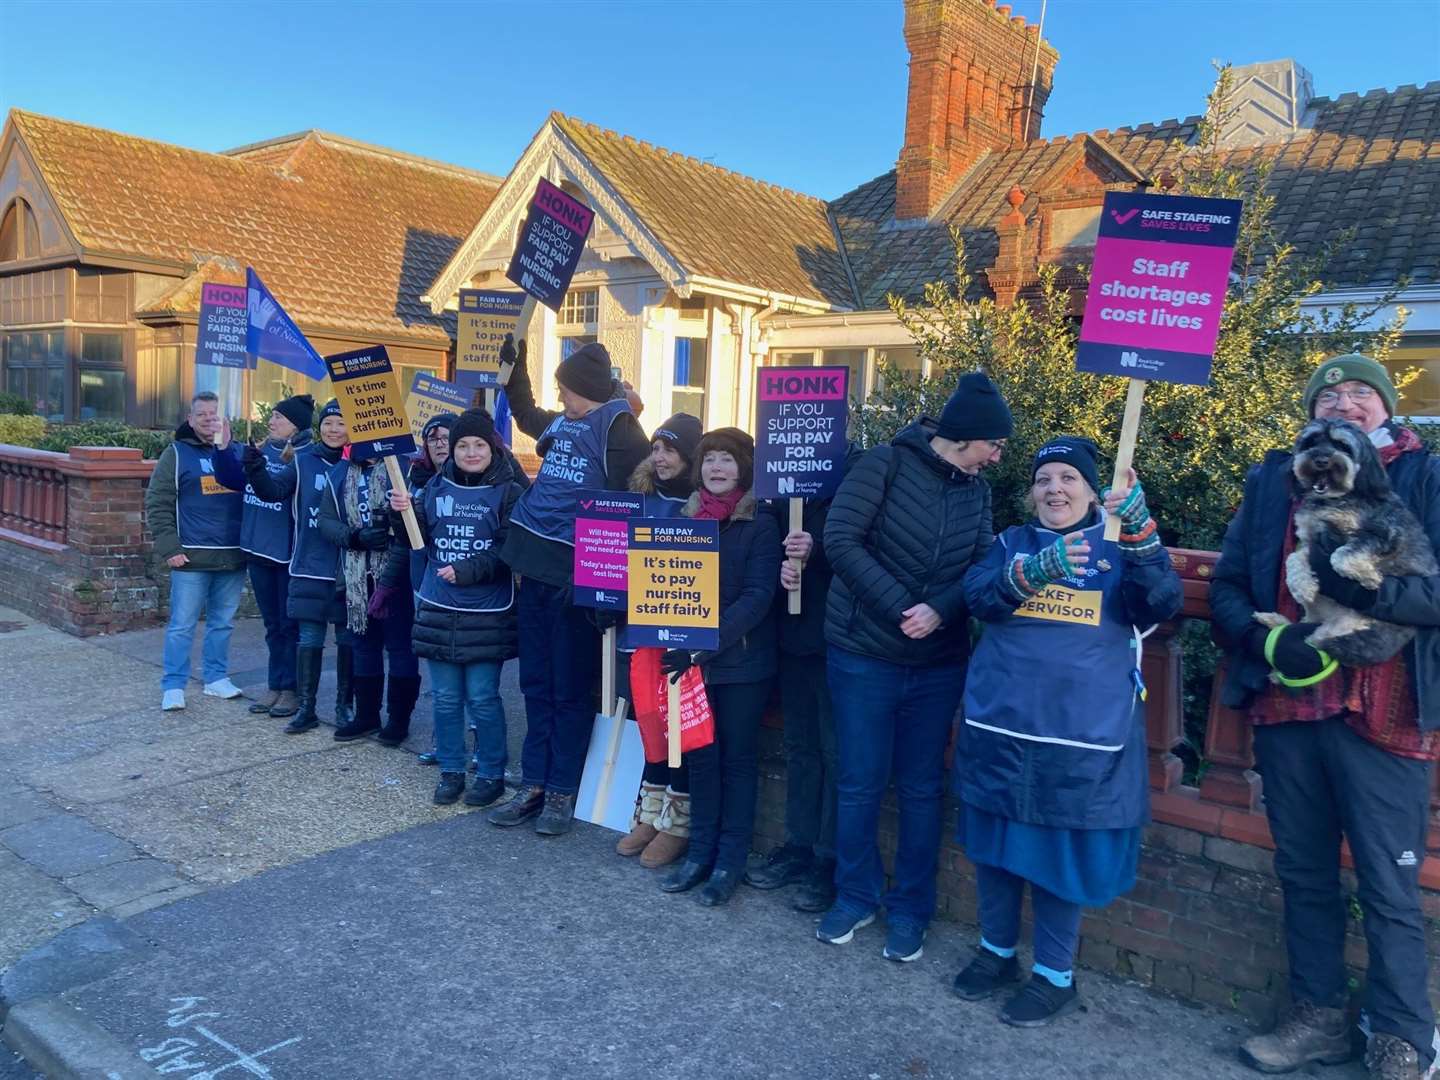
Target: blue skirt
x,y
1089,867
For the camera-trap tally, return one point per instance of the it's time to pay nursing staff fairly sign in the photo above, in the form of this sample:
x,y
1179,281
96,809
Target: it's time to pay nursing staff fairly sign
x,y
1157,286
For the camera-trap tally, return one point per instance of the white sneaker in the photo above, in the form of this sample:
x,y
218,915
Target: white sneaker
x,y
222,688
172,700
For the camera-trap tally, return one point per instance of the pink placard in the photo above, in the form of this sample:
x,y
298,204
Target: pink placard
x,y
1153,295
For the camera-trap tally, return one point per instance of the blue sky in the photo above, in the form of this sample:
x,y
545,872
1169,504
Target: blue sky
x,y
810,95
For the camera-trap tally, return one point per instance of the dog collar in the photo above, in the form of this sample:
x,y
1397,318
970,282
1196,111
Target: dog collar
x,y
1331,664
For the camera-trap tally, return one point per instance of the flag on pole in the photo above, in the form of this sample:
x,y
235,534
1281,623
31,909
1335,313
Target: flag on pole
x,y
272,335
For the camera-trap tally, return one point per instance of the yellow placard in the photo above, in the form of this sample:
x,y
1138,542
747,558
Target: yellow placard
x,y
670,588
1080,606
369,396
481,324
428,398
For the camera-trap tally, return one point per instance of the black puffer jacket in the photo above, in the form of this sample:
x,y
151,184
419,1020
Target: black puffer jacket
x,y
471,637
902,530
749,575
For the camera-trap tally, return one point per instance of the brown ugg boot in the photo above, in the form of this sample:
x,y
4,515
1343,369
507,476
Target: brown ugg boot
x,y
642,826
672,839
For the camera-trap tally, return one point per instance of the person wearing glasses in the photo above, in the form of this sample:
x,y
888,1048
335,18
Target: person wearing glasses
x,y
1350,755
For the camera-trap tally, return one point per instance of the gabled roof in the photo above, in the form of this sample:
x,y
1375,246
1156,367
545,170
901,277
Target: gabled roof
x,y
347,235
1369,163
690,219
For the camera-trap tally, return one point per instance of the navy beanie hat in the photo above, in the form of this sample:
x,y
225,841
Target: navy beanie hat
x,y
976,410
1079,453
682,432
472,423
299,410
586,372
332,408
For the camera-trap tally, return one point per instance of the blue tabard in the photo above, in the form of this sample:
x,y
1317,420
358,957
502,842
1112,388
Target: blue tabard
x,y
574,458
1060,669
207,514
662,506
416,558
266,527
462,521
315,556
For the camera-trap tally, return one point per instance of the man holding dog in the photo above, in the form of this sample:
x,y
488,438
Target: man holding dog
x,y
1343,753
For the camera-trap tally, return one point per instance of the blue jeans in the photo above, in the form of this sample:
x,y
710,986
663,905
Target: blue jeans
x,y
218,593
472,688
312,634
890,720
388,637
270,582
1057,921
559,669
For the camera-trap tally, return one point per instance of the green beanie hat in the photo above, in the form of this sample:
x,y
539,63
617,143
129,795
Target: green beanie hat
x,y
1352,366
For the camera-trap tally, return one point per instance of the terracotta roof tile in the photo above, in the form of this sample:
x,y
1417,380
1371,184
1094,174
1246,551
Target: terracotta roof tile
x,y
302,210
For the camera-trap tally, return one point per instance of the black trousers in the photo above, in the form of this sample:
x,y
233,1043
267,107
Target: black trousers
x,y
1322,782
810,754
725,777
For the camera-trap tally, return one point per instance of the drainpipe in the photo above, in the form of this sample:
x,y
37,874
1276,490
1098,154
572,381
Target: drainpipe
x,y
751,342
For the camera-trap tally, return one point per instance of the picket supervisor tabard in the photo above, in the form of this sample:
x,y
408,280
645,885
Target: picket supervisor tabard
x,y
800,419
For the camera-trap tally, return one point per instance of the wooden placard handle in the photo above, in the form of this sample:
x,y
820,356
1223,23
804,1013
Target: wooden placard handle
x,y
797,522
1125,454
397,481
672,719
607,671
522,328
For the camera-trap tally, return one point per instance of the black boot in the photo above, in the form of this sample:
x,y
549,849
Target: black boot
x,y
449,788
307,678
368,689
400,698
344,684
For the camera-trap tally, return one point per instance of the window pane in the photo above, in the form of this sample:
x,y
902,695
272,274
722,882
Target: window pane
x,y
168,409
51,403
904,357
569,344
692,362
792,359
854,359
10,235
689,401
581,306
102,394
103,350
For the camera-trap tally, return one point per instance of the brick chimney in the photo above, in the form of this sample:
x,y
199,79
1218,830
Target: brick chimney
x,y
970,91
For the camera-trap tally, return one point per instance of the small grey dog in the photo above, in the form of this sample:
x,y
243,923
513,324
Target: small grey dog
x,y
1345,492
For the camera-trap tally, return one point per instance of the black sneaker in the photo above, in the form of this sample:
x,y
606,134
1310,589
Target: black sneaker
x,y
484,792
519,808
783,866
817,892
1039,1002
558,816
987,975
448,790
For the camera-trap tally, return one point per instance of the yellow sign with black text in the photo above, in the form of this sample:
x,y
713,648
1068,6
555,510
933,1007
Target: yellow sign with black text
x,y
1055,604
369,397
673,584
481,324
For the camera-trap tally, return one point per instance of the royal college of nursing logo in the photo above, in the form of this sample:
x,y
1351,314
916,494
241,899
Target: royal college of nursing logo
x,y
262,310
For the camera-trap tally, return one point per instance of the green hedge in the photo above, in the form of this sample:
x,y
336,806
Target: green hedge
x,y
15,405
22,430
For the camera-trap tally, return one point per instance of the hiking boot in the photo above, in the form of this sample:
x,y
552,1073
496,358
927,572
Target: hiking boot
x,y
1389,1057
448,790
784,866
366,720
1304,1034
817,891
685,876
558,816
642,825
344,684
904,939
287,703
673,838
720,888
265,702
519,808
400,697
307,679
986,975
1039,1002
484,792
839,925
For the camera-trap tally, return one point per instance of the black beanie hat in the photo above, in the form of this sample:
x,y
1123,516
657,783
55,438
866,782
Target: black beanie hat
x,y
332,408
975,411
682,433
439,420
586,372
472,423
738,444
299,410
1074,450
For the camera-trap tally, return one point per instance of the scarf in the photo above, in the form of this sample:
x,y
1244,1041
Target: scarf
x,y
718,507
361,567
1377,702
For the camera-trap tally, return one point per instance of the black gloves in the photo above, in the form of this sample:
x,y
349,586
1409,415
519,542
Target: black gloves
x,y
606,618
676,662
371,537
1292,658
510,353
1342,590
251,458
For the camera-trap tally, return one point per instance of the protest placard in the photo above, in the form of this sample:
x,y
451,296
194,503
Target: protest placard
x,y
551,241
484,319
602,544
428,398
800,420
369,397
1157,290
673,585
220,336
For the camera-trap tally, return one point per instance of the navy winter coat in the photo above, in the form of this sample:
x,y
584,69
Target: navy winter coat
x,y
749,575
1247,577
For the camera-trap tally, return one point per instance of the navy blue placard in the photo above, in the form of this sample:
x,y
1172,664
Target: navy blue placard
x,y
551,242
1170,219
800,418
220,336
